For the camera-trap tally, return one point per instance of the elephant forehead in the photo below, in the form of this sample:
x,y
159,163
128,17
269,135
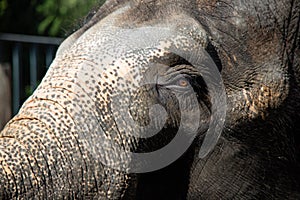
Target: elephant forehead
x,y
122,55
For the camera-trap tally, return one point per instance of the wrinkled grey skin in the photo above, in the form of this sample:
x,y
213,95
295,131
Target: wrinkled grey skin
x,y
44,150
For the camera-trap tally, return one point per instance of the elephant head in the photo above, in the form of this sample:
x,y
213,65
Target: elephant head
x,y
156,99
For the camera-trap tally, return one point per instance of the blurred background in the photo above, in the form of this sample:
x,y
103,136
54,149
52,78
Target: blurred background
x,y
30,33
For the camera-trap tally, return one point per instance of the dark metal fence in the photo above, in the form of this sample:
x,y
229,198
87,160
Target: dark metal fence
x,y
29,57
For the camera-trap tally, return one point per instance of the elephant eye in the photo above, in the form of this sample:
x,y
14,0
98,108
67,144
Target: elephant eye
x,y
182,82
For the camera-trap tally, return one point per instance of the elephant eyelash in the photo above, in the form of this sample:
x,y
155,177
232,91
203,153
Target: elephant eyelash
x,y
184,71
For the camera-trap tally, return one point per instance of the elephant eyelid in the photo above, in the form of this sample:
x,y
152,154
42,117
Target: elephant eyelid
x,y
178,83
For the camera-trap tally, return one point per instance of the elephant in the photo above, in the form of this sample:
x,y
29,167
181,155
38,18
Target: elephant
x,y
164,99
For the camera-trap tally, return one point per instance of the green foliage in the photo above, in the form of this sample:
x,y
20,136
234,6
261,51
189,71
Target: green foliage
x,y
3,6
44,17
62,13
29,89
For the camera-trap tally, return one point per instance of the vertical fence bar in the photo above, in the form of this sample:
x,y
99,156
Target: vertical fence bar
x,y
49,55
16,41
33,66
16,76
1,51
